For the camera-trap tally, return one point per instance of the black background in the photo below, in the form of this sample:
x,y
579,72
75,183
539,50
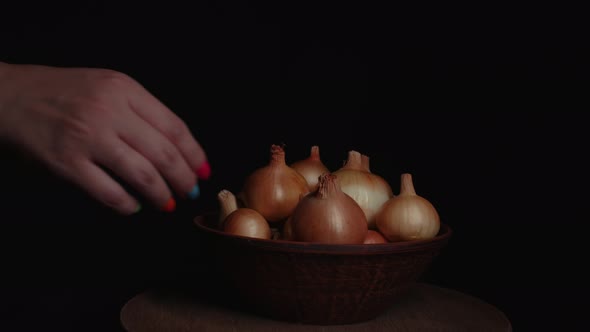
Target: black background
x,y
503,163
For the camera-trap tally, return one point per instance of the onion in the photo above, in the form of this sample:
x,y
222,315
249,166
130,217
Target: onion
x,y
369,190
374,237
275,234
247,222
408,216
227,204
328,215
311,168
287,233
274,190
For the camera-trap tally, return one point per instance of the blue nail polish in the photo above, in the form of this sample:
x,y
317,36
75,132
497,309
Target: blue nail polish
x,y
195,192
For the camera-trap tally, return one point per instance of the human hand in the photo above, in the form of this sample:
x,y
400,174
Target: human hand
x,y
92,126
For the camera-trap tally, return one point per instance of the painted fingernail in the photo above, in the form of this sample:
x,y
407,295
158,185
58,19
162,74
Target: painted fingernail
x,y
138,208
170,205
204,172
195,192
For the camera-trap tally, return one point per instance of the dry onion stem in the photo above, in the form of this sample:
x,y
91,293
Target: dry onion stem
x,y
227,204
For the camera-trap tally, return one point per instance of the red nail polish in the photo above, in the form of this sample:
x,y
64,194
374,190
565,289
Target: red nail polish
x,y
170,205
204,171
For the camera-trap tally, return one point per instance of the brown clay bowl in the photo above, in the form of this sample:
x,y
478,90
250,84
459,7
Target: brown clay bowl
x,y
320,284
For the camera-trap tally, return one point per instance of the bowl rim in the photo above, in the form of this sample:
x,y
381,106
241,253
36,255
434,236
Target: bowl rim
x,y
438,241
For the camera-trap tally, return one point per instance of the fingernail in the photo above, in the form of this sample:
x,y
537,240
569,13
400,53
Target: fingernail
x,y
138,208
195,192
204,171
170,205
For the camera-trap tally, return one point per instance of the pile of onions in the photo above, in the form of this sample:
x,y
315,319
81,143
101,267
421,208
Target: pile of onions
x,y
274,190
328,215
369,190
408,216
306,202
311,168
241,221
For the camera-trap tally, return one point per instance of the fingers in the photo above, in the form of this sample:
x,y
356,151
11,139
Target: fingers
x,y
133,168
165,157
173,128
103,188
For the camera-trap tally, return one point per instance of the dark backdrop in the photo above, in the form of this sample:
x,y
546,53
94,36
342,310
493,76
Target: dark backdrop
x,y
502,163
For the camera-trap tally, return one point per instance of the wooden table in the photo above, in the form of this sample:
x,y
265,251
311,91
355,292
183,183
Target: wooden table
x,y
424,308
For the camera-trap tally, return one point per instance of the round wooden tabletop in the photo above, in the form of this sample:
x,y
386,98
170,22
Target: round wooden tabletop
x,y
424,308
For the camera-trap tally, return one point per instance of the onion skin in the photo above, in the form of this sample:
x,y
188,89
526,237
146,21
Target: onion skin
x,y
247,222
408,216
329,216
365,163
374,237
311,168
369,190
287,233
275,234
274,190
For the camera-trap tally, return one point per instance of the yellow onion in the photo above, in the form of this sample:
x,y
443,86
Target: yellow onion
x,y
247,222
287,229
365,163
328,215
311,168
369,190
374,237
287,233
408,216
274,190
